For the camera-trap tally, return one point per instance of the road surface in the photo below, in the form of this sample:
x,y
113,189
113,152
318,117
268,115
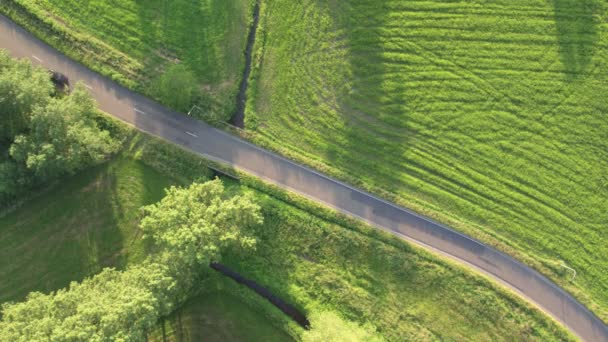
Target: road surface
x,y
217,145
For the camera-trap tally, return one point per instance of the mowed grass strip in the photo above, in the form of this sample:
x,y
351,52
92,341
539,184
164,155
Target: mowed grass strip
x,y
490,117
134,42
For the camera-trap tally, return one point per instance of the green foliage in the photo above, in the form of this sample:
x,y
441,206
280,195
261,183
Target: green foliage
x,y
329,327
193,225
134,42
176,87
48,137
487,116
189,226
9,180
113,305
23,87
63,137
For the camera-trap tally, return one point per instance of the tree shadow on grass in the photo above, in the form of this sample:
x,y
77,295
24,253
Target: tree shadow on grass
x,y
577,33
53,239
374,108
83,224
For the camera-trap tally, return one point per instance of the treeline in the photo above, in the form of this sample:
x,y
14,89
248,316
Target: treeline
x,y
44,134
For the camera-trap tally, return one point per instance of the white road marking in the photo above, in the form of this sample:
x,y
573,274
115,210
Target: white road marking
x,y
192,134
140,111
36,58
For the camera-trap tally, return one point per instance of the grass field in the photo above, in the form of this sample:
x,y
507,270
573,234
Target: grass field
x,y
217,317
134,42
489,116
89,221
76,228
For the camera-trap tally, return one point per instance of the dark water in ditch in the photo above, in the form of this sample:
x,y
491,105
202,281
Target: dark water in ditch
x,y
238,118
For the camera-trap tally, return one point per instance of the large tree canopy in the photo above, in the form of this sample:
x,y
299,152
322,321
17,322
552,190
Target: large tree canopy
x,y
189,226
111,306
194,224
41,135
63,137
22,88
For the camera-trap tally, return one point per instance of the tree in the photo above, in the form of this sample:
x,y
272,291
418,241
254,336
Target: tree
x,y
23,87
111,306
176,88
189,226
193,225
63,137
329,327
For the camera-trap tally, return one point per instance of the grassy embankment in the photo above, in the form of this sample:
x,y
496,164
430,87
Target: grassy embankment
x,y
307,254
490,117
135,42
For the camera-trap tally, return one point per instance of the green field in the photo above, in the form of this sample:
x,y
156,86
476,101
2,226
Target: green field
x,y
90,220
134,42
489,116
76,228
216,317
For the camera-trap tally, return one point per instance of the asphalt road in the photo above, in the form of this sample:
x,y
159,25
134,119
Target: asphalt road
x,y
214,144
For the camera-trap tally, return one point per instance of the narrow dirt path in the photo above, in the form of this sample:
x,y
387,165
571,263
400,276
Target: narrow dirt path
x,y
238,118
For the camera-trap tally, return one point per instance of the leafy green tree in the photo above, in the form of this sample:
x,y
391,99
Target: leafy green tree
x,y
63,137
23,87
189,226
195,224
9,179
176,87
111,306
329,327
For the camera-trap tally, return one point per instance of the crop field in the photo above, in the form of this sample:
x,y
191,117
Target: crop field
x,y
488,116
90,221
135,42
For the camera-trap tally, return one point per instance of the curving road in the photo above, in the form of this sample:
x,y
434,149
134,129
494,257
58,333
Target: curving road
x,y
211,143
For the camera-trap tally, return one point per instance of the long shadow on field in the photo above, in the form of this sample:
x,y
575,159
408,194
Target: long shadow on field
x,y
577,33
85,223
374,110
58,237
